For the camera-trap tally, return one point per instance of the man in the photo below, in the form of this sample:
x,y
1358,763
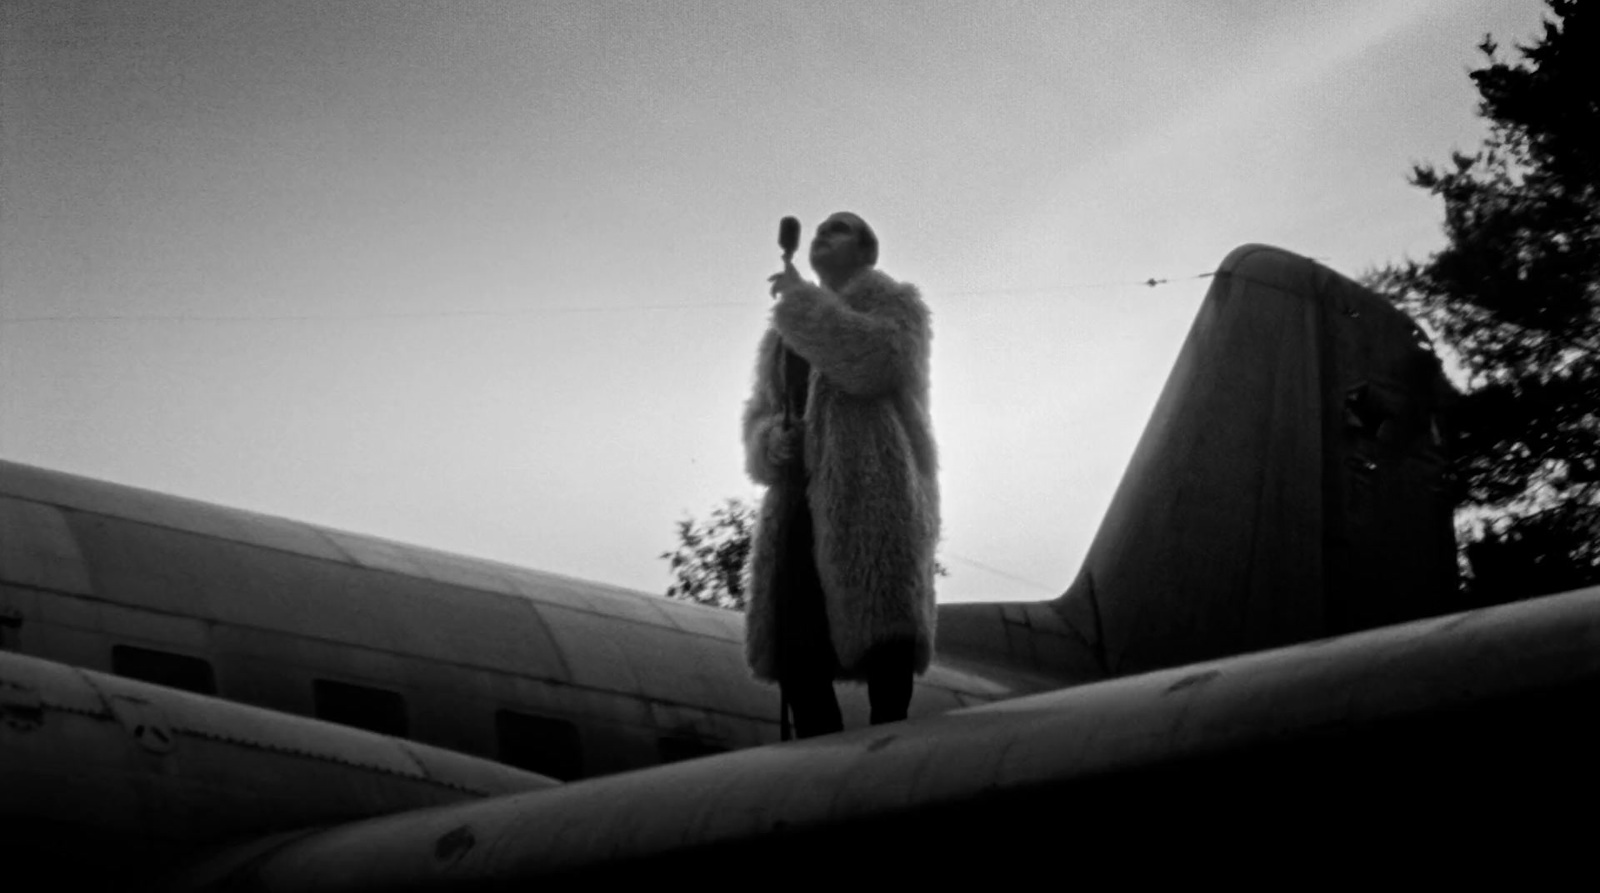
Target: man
x,y
841,566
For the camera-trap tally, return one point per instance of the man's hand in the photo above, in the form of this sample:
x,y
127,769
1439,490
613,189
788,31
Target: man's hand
x,y
785,281
785,445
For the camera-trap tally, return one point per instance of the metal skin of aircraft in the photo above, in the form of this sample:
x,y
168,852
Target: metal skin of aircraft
x,y
1256,665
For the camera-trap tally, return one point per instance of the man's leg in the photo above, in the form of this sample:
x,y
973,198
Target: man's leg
x,y
814,706
805,650
889,680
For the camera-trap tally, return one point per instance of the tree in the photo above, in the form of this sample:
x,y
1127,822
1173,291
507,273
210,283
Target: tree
x,y
708,565
1514,300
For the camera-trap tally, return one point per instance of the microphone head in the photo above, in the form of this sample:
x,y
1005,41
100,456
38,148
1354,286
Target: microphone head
x,y
789,235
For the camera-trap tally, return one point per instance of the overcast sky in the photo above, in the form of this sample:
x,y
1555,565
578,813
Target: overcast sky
x,y
490,277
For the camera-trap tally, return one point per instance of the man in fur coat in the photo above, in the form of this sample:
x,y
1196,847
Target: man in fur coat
x,y
842,559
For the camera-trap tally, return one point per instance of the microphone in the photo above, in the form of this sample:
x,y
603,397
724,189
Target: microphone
x,y
793,372
788,236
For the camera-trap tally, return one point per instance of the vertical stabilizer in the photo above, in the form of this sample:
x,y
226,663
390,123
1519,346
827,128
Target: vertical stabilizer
x,y
1291,483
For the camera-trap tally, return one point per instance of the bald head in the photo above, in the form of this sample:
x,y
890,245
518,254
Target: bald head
x,y
844,246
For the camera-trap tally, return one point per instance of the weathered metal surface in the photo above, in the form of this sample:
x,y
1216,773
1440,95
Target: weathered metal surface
x,y
172,544
1382,720
162,510
1023,640
39,549
1258,509
88,565
86,756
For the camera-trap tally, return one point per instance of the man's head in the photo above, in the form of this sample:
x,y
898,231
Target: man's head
x,y
844,246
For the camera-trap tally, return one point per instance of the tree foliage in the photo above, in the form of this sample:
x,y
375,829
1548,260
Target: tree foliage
x,y
1513,298
708,565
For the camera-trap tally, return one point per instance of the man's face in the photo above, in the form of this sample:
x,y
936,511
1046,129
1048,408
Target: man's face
x,y
837,248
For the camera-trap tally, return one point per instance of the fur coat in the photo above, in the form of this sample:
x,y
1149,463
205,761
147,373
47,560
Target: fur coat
x,y
872,467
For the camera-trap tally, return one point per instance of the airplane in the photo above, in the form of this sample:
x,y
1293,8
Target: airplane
x,y
1258,664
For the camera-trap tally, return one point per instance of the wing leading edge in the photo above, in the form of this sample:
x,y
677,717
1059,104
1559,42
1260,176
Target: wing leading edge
x,y
1443,733
141,775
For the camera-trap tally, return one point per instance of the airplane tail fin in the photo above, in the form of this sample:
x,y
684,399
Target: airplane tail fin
x,y
1291,483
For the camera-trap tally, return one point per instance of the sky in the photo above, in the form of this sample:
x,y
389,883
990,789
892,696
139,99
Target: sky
x,y
489,277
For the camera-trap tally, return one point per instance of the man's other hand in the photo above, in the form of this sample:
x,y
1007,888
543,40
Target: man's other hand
x,y
785,445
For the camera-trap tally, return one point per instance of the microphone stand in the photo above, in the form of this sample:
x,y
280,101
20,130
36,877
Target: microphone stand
x,y
792,375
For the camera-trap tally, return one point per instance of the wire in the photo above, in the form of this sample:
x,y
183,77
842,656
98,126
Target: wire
x,y
360,317
1000,573
1152,282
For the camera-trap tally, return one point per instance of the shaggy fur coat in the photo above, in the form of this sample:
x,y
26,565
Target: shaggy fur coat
x,y
872,467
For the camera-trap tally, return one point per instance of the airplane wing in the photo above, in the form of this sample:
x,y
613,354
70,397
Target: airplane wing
x,y
1447,743
137,774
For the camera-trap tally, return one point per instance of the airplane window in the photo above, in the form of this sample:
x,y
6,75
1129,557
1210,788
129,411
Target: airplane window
x,y
539,744
372,709
675,749
163,668
10,623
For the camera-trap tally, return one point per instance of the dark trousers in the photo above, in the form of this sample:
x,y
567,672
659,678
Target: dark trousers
x,y
805,649
815,707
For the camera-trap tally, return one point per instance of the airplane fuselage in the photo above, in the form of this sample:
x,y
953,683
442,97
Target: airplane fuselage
x,y
558,676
